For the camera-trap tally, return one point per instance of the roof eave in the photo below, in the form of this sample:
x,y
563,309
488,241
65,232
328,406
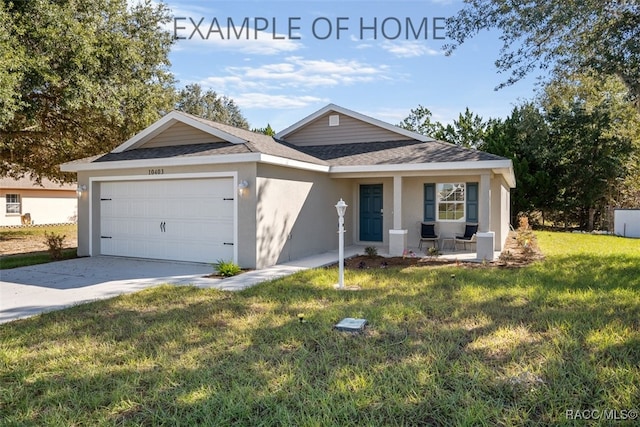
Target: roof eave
x,y
192,161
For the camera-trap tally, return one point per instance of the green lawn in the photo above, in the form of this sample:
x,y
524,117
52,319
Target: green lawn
x,y
490,347
11,236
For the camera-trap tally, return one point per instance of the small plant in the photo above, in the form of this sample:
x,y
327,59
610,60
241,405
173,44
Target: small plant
x,y
227,268
506,256
371,251
433,252
55,244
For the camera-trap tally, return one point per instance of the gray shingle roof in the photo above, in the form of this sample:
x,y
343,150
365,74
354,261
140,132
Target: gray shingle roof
x,y
395,152
354,154
190,150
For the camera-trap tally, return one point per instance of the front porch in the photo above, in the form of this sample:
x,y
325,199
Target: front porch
x,y
388,211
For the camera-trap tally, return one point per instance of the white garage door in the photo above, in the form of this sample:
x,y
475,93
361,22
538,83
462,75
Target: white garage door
x,y
183,220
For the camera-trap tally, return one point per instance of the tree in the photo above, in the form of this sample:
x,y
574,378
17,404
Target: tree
x,y
597,131
601,35
208,105
77,78
467,131
523,137
419,120
267,131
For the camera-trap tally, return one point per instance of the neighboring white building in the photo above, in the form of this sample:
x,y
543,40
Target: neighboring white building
x,y
627,222
49,203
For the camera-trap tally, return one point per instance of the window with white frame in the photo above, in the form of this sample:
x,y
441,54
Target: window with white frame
x,y
13,204
451,202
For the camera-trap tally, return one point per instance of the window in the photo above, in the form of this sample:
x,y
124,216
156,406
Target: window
x,y
451,202
13,203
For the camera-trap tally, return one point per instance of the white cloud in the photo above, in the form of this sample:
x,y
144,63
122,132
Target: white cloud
x,y
269,101
409,49
297,72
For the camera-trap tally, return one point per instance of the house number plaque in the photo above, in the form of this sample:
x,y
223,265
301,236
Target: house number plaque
x,y
156,171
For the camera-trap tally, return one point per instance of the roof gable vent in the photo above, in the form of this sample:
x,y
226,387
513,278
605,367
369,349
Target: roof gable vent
x,y
334,120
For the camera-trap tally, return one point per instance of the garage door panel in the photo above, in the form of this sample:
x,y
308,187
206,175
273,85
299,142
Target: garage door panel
x,y
186,220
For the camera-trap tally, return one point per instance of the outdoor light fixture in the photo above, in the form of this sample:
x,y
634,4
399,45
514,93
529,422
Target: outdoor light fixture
x,y
81,189
242,186
341,207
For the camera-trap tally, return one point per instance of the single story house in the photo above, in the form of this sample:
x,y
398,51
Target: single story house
x,y
24,201
191,189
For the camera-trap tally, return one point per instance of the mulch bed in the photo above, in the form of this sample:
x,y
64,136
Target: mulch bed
x,y
513,256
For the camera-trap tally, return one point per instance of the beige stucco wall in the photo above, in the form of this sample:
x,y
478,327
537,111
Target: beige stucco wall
x,y
295,213
246,205
413,206
44,206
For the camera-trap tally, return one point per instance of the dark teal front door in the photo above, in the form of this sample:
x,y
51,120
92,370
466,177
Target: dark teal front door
x,y
371,213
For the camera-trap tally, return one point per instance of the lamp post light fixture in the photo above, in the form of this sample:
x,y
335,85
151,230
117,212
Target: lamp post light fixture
x,y
341,207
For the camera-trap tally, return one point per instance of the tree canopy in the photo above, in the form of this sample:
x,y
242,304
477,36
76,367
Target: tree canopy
x,y
574,36
77,78
575,149
209,105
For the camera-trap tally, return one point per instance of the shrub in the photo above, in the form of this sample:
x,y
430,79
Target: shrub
x,y
227,268
371,251
433,252
55,244
523,223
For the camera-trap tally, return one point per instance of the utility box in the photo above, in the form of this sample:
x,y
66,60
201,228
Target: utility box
x,y
484,245
626,222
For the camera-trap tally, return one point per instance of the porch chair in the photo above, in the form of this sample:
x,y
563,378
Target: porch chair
x,y
468,237
428,234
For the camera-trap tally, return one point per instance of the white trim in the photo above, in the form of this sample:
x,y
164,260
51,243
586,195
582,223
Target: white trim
x,y
177,176
162,162
392,231
439,166
167,121
358,116
193,161
282,161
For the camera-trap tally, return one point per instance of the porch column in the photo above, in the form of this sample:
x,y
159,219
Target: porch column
x,y
485,238
397,236
484,200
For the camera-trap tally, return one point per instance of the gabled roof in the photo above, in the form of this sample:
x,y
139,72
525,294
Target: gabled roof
x,y
411,152
226,133
358,116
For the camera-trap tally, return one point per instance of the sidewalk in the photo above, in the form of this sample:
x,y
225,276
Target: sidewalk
x,y
251,278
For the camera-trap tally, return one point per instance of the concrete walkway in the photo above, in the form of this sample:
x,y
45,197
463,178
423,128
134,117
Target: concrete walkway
x,y
28,291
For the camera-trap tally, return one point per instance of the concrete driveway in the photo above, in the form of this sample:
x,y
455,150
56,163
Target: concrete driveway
x,y
27,291
31,290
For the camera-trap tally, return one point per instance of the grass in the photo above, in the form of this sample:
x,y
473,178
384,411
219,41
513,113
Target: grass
x,y
33,258
490,347
34,233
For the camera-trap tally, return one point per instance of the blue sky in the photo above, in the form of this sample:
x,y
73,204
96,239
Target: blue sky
x,y
282,60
